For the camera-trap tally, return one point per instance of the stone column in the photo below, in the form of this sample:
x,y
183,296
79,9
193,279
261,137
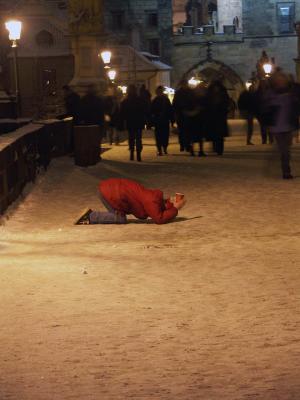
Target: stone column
x,y
297,60
227,11
86,22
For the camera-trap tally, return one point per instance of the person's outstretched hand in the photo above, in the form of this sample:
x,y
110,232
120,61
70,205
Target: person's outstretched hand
x,y
179,204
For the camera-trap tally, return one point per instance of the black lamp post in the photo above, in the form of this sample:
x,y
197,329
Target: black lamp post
x,y
14,28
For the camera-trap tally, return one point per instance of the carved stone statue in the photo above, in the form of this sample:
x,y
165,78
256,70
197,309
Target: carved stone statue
x,y
86,16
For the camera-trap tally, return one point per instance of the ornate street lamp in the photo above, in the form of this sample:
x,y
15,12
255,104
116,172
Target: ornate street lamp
x,y
194,82
267,67
14,28
112,75
106,57
123,89
248,84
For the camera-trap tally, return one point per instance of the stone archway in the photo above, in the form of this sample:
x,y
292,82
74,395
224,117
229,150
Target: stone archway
x,y
212,70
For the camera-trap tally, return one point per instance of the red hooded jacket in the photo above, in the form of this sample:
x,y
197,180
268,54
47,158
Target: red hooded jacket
x,y
130,197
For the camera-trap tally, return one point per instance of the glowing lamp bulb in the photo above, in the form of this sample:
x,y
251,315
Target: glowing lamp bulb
x,y
106,56
112,74
14,28
267,68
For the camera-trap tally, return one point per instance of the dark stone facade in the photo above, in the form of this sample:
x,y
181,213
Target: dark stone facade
x,y
146,25
262,28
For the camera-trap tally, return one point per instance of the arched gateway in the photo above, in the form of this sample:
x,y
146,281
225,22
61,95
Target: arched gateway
x,y
211,70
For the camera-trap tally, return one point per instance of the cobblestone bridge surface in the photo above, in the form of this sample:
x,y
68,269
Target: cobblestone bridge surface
x,y
203,308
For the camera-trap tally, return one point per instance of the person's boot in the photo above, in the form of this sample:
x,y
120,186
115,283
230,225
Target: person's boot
x,y
131,155
138,156
165,150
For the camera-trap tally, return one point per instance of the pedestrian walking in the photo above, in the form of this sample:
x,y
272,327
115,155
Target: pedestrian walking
x,y
259,98
112,110
92,113
281,114
217,103
182,105
72,104
246,105
133,116
161,116
195,120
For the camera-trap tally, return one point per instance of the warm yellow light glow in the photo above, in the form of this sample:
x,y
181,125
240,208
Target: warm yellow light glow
x,y
112,74
169,91
123,89
194,81
106,56
248,84
14,28
267,68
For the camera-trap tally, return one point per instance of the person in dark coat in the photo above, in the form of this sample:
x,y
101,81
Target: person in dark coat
x,y
145,96
161,117
133,114
92,111
182,105
195,120
92,108
124,196
259,95
280,111
247,108
217,103
112,110
72,104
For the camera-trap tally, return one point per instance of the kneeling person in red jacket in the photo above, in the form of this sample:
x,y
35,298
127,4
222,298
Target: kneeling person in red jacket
x,y
124,196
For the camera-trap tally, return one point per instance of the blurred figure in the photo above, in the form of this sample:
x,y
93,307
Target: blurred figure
x,y
112,110
145,96
281,114
92,110
161,117
217,104
72,103
182,104
195,120
133,114
266,135
92,107
232,107
246,105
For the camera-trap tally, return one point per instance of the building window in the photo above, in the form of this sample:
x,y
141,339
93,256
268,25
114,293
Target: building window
x,y
44,39
154,46
286,17
152,19
118,20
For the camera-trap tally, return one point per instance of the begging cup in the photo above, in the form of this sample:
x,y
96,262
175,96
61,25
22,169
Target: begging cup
x,y
179,196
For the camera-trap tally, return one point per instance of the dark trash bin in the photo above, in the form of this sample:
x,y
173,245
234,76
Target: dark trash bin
x,y
87,139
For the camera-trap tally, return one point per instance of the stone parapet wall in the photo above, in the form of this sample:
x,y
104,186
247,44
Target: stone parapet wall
x,y
25,150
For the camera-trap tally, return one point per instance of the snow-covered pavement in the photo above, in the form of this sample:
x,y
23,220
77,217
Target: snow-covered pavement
x,y
207,307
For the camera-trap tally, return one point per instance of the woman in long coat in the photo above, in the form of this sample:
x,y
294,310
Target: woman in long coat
x,y
195,117
161,117
217,105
